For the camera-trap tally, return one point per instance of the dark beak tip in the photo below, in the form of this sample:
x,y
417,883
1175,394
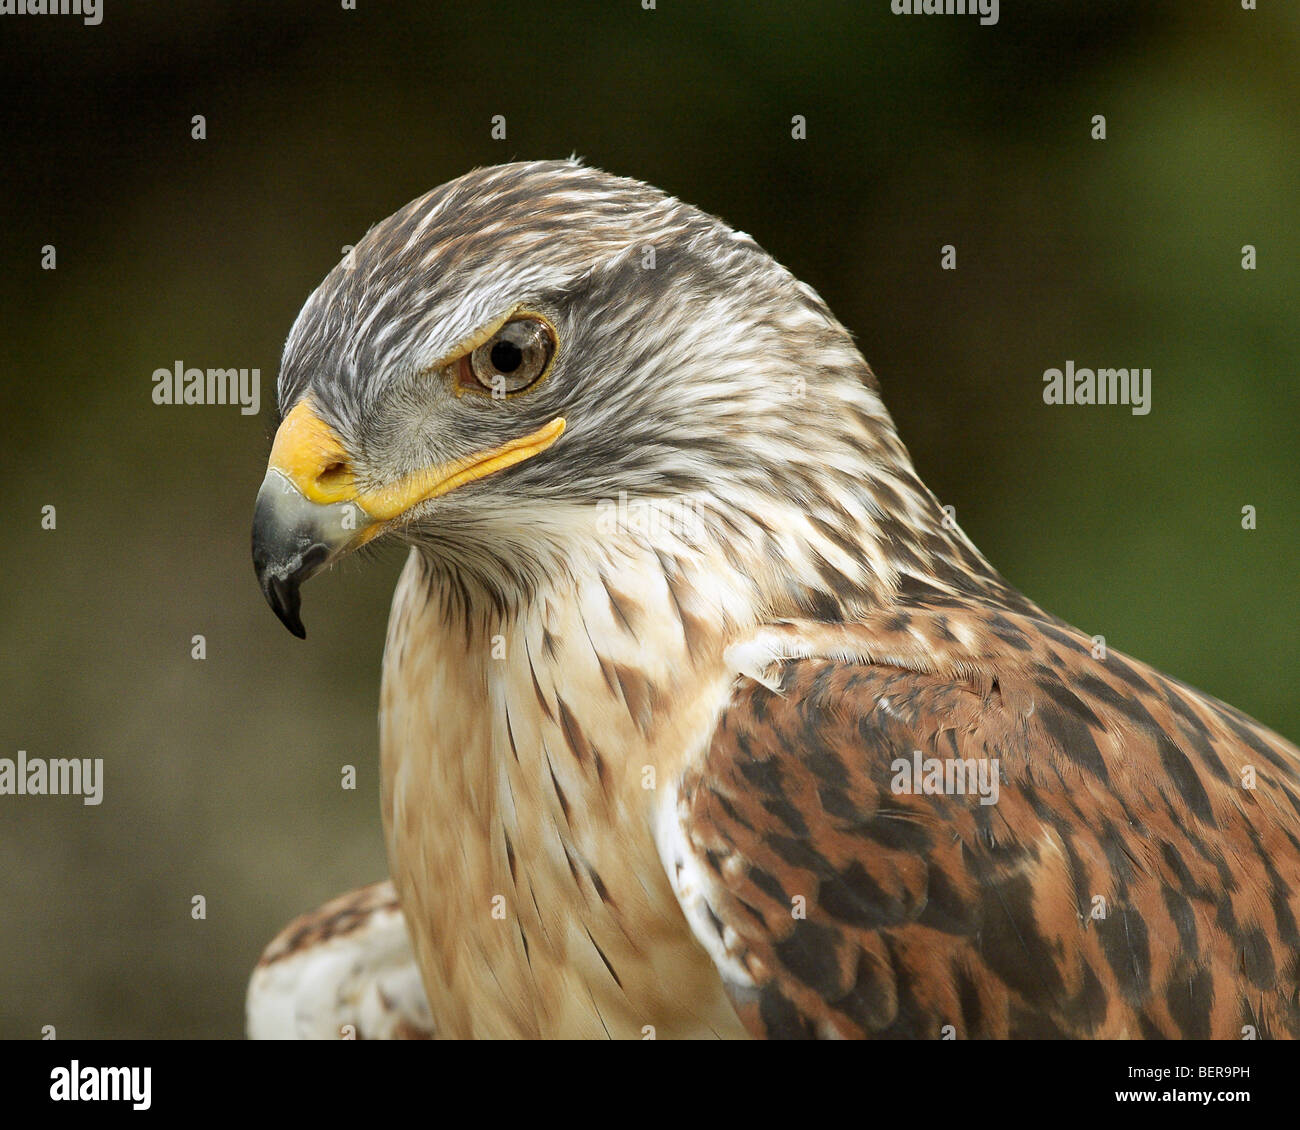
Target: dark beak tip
x,y
282,596
292,540
295,626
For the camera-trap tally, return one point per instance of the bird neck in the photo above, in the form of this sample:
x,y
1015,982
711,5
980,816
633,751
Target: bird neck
x,y
837,538
547,734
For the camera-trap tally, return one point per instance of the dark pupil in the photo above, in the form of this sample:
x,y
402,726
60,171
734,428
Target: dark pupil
x,y
506,356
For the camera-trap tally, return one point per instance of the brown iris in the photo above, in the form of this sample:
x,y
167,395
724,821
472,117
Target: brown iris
x,y
515,357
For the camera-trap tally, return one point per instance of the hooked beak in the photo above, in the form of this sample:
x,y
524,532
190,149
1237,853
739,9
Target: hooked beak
x,y
294,539
306,513
309,512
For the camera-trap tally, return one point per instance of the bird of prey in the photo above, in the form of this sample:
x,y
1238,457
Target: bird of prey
x,y
699,717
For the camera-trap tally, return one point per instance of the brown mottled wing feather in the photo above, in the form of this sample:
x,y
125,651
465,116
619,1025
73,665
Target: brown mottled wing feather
x,y
1124,884
342,971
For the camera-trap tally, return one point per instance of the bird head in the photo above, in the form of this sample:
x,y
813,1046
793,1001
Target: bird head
x,y
506,353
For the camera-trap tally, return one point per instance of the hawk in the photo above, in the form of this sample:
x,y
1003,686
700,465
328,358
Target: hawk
x,y
697,718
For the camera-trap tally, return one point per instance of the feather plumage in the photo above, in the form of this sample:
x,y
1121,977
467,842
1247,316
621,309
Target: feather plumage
x,y
642,777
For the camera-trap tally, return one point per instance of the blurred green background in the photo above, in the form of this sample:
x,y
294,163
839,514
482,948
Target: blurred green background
x,y
223,775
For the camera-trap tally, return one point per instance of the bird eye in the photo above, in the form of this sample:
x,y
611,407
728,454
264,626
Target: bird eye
x,y
516,356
